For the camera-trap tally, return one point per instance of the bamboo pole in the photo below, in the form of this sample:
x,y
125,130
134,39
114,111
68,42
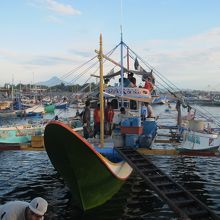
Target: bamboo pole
x,y
101,96
111,60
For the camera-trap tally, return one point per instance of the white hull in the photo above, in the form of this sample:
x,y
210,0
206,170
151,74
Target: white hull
x,y
200,141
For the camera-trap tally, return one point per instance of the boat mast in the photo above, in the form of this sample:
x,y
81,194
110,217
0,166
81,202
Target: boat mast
x,y
101,96
128,66
122,70
12,91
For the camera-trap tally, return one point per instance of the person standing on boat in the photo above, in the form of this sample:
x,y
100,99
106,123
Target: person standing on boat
x,y
144,112
77,113
148,85
86,120
119,117
178,108
150,112
169,106
20,210
96,117
132,79
126,82
109,115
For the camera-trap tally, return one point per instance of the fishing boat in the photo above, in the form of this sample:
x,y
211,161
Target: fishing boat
x,y
159,100
198,140
49,108
35,111
5,105
95,172
19,134
61,105
77,103
92,178
7,113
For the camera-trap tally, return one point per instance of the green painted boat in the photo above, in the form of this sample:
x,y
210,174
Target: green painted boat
x,y
91,177
49,108
19,134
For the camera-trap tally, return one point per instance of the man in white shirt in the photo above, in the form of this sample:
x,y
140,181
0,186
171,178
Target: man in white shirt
x,y
118,117
19,210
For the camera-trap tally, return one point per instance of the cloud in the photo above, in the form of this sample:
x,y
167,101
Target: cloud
x,y
61,8
55,6
7,54
54,19
192,61
81,53
48,61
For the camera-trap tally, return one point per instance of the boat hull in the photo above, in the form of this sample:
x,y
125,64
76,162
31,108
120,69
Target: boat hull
x,y
197,143
61,105
19,134
85,171
49,108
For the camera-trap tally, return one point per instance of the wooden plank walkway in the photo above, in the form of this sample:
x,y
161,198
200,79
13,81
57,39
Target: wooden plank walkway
x,y
181,201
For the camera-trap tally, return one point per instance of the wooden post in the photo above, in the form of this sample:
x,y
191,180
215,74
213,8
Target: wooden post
x,y
101,96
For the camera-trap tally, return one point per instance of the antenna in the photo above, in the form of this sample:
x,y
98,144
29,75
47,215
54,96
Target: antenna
x,y
122,71
121,20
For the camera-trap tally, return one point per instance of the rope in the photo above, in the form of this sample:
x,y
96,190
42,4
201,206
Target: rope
x,y
170,88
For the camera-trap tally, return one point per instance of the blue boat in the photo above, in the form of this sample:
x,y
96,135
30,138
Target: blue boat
x,y
61,105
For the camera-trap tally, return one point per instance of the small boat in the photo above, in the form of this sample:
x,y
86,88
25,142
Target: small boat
x,y
5,105
19,134
49,108
159,100
92,178
169,109
35,111
77,103
61,105
7,113
199,141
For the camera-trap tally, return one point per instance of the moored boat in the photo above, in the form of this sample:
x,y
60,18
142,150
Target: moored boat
x,y
95,174
198,140
61,105
49,108
19,134
92,178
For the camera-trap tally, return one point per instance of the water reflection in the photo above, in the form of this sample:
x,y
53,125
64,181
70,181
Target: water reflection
x,y
200,175
24,175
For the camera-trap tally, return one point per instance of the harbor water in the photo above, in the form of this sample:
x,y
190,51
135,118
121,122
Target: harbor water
x,y
27,174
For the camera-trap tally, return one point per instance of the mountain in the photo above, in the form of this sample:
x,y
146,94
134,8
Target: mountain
x,y
52,82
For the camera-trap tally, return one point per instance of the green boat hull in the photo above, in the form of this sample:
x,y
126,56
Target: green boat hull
x,y
49,108
90,180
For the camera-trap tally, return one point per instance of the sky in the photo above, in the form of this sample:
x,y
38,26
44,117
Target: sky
x,y
44,38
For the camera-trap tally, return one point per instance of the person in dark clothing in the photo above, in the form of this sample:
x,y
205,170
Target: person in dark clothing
x,y
132,78
96,117
77,113
86,120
